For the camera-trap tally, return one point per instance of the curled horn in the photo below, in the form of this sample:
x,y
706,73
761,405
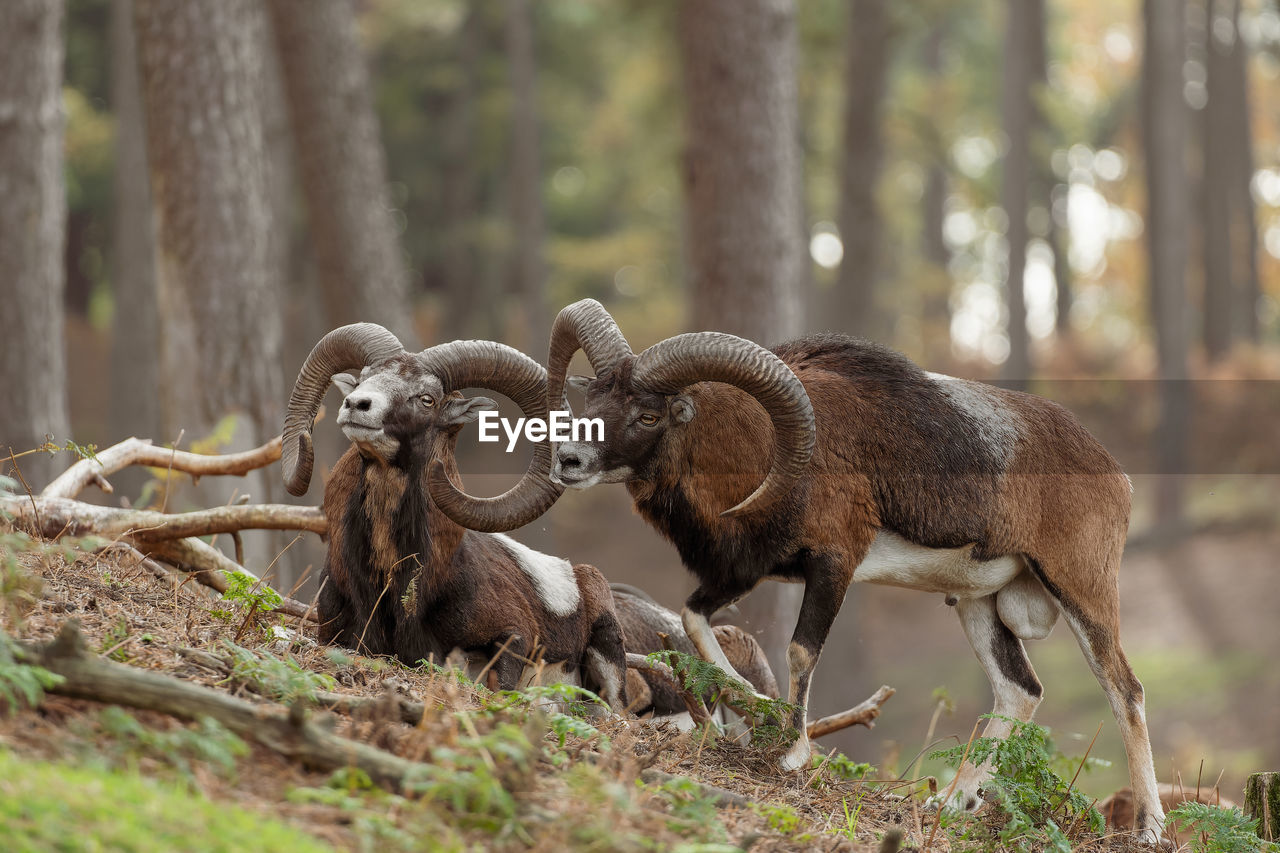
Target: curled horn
x,y
497,367
345,348
678,362
583,325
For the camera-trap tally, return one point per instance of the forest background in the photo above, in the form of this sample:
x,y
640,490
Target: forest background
x,y
192,193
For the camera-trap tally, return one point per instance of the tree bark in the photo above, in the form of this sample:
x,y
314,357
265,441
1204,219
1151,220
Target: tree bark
x,y
1164,137
528,219
1025,20
1247,289
135,327
33,212
201,69
746,253
354,236
936,286
861,224
1262,800
1216,190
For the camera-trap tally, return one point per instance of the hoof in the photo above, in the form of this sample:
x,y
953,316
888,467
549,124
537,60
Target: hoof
x,y
796,757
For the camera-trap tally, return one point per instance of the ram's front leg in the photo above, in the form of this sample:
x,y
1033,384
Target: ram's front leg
x,y
824,591
696,617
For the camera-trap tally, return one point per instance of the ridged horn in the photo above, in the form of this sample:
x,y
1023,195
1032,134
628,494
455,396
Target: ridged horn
x,y
673,364
583,325
496,367
345,348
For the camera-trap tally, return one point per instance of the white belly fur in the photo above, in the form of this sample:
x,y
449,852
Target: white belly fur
x,y
894,561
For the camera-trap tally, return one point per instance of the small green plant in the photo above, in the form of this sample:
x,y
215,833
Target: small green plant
x,y
837,767
206,742
850,828
114,641
781,818
1219,830
693,812
284,680
244,589
1040,806
21,683
703,678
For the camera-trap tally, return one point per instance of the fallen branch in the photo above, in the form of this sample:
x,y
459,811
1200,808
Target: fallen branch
x,y
862,714
207,564
286,731
54,517
140,451
697,708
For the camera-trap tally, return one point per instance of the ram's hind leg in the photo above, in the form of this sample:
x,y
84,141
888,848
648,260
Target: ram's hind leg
x,y
1094,618
1013,681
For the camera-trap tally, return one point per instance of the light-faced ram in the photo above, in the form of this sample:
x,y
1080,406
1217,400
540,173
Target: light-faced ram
x,y
841,461
400,577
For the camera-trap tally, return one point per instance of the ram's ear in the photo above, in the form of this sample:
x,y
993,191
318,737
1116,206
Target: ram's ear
x,y
579,383
465,410
346,382
682,410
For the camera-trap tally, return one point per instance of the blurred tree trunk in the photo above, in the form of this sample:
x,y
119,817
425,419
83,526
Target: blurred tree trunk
x,y
856,308
746,253
1244,229
135,327
338,147
1216,193
936,287
472,306
1023,31
1164,137
202,76
528,220
33,213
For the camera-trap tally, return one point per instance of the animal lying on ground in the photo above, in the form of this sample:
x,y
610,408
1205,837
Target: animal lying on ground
x,y
644,621
843,461
400,577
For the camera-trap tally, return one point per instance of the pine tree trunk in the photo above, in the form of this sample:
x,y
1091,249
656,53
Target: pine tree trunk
x,y
936,285
1216,193
338,147
1164,137
33,215
528,220
861,224
746,253
1024,19
1247,288
135,410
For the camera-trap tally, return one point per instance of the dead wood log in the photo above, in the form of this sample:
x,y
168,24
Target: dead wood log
x,y
140,451
862,714
54,517
286,731
1262,800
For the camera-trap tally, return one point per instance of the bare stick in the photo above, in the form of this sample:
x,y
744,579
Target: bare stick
x,y
697,708
862,714
138,451
64,516
288,732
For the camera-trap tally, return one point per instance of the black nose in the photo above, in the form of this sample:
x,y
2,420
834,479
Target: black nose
x,y
569,459
360,404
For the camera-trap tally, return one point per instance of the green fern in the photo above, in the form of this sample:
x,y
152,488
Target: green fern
x,y
703,678
1219,830
284,680
1025,787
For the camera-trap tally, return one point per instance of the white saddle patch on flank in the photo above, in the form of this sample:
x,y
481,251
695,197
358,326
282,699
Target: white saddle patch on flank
x,y
998,426
552,576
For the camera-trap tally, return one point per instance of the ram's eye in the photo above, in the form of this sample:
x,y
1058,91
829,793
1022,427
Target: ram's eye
x,y
427,400
649,419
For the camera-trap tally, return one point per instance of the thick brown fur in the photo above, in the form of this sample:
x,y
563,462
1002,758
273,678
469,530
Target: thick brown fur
x,y
401,578
939,463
